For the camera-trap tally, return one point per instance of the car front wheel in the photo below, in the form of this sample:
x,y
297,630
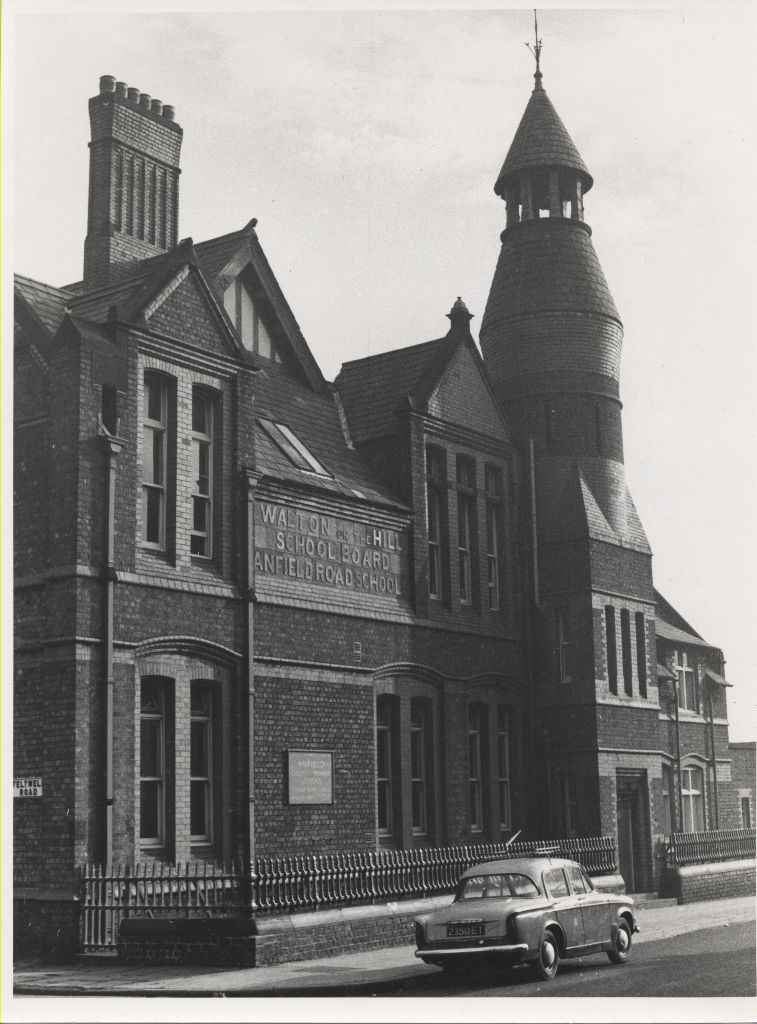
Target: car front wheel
x,y
546,963
621,951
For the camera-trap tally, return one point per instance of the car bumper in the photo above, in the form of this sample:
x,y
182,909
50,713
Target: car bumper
x,y
441,954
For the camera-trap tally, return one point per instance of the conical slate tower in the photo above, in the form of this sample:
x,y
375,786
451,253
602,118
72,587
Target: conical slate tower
x,y
551,339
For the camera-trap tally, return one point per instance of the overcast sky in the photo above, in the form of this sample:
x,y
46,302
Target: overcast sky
x,y
367,143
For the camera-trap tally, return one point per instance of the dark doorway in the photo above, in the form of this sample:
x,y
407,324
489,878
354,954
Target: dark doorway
x,y
633,838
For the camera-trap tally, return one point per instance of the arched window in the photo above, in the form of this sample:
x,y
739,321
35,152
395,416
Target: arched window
x,y
692,799
386,753
476,729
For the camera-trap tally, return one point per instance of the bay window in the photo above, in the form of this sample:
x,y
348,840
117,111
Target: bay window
x,y
154,452
475,766
201,537
503,765
434,519
201,764
152,763
385,757
493,489
466,482
419,764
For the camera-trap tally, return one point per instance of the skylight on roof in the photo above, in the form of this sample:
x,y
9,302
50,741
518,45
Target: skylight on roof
x,y
292,447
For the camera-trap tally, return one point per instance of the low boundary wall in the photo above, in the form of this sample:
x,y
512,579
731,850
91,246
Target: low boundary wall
x,y
283,938
694,882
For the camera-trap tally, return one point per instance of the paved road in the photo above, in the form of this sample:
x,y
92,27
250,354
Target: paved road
x,y
395,971
712,962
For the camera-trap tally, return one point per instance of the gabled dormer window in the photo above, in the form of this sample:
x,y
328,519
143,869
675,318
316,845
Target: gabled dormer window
x,y
292,447
251,328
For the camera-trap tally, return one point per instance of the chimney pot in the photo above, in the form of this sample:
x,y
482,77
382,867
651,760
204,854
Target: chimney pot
x,y
156,107
144,100
133,95
168,112
121,90
107,83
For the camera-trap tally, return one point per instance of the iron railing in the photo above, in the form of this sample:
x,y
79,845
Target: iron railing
x,y
705,847
321,880
110,894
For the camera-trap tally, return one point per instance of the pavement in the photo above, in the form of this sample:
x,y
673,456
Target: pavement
x,y
354,974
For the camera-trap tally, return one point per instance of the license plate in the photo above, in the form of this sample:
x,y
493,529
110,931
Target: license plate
x,y
464,931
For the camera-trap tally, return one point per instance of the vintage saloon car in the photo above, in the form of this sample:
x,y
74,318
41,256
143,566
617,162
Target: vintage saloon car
x,y
535,910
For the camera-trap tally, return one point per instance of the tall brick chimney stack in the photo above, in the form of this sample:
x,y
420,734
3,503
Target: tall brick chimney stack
x,y
133,181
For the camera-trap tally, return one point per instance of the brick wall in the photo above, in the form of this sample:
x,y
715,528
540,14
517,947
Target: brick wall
x,y
724,880
44,694
324,713
45,925
133,186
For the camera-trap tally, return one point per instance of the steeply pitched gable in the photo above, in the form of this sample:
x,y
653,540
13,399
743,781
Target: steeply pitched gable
x,y
371,389
46,304
186,309
240,253
462,395
444,378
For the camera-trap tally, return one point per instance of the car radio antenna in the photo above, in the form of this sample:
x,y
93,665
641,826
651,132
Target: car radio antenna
x,y
513,838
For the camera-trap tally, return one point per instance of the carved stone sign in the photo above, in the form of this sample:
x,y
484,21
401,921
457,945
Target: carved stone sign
x,y
299,544
30,786
311,776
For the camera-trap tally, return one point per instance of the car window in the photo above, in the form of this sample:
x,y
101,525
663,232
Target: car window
x,y
556,882
587,881
496,886
472,888
521,885
577,880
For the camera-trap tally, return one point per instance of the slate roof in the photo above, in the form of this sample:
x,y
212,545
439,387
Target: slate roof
x,y
215,253
541,141
371,389
570,508
666,611
94,305
548,265
715,677
48,302
668,632
310,411
314,418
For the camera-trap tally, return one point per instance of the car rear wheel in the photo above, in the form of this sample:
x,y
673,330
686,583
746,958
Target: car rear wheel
x,y
547,962
621,951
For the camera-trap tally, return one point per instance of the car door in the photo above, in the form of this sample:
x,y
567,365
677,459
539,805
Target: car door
x,y
567,906
595,906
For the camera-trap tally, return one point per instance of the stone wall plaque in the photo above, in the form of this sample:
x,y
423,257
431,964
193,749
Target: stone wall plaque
x,y
310,776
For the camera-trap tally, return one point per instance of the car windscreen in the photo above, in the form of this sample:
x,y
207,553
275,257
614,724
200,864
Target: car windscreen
x,y
490,886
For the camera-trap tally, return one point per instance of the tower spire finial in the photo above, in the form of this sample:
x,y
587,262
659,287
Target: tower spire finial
x,y
536,51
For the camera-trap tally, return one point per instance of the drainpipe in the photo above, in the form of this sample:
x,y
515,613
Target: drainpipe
x,y
113,447
714,760
678,756
252,481
530,626
534,540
